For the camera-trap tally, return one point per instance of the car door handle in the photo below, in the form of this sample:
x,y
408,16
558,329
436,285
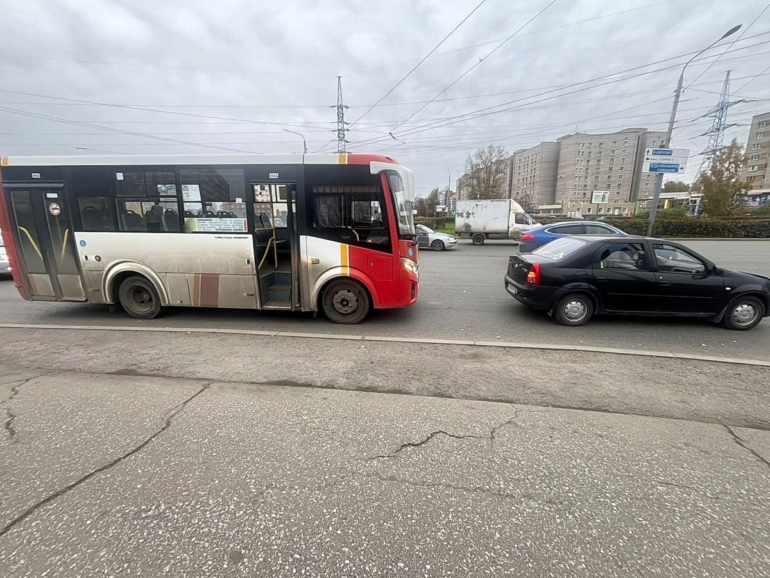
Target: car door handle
x,y
665,283
601,278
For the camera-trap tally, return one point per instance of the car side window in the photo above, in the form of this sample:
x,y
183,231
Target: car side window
x,y
627,256
672,259
568,230
599,230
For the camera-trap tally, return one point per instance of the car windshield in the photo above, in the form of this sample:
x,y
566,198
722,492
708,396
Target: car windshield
x,y
559,248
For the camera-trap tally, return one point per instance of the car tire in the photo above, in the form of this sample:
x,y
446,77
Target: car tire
x,y
743,313
437,245
478,239
345,302
139,298
574,310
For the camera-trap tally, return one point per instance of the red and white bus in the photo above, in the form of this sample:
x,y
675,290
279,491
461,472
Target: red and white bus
x,y
299,233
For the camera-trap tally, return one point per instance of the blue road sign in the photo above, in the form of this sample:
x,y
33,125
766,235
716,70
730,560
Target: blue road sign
x,y
664,168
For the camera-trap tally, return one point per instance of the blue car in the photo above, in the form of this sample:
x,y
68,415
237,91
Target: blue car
x,y
535,238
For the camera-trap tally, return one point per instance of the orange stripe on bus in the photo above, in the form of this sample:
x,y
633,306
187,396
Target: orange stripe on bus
x,y
3,161
343,159
344,259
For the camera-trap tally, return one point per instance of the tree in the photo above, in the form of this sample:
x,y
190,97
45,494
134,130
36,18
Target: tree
x,y
431,202
488,172
675,187
724,192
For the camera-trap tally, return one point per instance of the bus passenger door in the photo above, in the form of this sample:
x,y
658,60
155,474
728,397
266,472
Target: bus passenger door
x,y
43,233
276,245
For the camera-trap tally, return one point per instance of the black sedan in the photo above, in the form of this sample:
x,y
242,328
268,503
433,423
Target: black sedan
x,y
574,278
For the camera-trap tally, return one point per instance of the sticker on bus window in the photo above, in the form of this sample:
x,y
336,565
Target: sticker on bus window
x,y
191,193
194,225
119,176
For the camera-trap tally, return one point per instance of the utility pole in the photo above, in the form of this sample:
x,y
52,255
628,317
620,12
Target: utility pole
x,y
341,127
671,120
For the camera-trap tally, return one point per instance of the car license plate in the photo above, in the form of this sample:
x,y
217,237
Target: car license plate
x,y
514,290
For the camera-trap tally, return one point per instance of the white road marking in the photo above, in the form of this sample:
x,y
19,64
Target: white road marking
x,y
375,338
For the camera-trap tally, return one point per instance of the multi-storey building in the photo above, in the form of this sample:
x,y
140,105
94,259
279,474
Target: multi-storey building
x,y
533,174
757,170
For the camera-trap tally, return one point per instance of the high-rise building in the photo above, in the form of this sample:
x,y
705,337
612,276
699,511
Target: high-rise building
x,y
533,174
644,183
598,162
757,170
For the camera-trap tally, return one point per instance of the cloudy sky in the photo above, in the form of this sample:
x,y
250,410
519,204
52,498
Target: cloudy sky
x,y
159,77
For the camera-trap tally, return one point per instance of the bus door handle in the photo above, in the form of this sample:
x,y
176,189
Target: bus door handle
x,y
314,261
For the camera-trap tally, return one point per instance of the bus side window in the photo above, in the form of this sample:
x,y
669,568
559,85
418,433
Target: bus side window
x,y
96,214
353,216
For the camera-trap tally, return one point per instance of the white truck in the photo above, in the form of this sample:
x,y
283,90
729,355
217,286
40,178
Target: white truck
x,y
491,219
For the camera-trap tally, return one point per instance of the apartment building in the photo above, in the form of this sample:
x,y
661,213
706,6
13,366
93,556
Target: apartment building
x,y
598,162
533,174
757,171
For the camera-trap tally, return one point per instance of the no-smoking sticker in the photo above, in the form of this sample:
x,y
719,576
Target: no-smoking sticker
x,y
54,209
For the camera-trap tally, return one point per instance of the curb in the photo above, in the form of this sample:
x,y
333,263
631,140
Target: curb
x,y
416,340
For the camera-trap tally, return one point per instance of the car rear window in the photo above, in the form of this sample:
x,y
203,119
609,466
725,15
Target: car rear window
x,y
559,248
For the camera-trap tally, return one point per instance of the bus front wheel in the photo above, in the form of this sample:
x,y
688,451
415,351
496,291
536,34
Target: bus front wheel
x,y
346,302
139,298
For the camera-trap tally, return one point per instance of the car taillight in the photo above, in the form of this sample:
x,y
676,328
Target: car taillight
x,y
527,237
533,277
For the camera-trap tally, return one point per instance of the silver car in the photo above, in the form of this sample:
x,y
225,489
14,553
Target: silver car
x,y
427,237
5,266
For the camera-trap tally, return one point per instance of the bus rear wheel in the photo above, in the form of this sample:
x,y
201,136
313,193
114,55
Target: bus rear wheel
x,y
139,298
346,302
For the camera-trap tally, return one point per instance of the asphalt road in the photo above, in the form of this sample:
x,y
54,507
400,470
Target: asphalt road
x,y
113,475
462,297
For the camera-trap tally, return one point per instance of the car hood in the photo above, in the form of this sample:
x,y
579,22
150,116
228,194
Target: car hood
x,y
443,236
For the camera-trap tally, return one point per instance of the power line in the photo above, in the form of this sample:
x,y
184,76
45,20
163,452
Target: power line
x,y
421,61
490,110
524,34
482,59
745,30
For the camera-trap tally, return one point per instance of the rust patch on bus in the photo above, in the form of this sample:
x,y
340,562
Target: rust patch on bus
x,y
209,290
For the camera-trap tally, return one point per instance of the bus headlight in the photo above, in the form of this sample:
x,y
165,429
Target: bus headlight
x,y
409,265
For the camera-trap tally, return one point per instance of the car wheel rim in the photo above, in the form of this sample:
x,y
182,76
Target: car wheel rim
x,y
438,245
744,314
575,310
141,299
345,302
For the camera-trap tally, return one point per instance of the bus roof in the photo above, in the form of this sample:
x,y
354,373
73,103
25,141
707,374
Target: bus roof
x,y
235,159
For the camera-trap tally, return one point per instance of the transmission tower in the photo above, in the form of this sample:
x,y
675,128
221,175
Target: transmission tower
x,y
719,125
341,126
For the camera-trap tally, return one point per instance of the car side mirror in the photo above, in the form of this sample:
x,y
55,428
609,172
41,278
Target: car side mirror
x,y
716,270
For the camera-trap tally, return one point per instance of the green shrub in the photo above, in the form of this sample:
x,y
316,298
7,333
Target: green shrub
x,y
743,227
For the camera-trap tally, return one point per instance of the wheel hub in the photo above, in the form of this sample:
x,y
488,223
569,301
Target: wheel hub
x,y
744,314
575,310
345,302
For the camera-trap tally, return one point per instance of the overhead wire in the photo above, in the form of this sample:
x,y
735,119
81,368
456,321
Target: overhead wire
x,y
416,66
482,59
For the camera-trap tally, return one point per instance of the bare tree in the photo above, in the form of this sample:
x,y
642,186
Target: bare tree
x,y
431,202
527,200
488,172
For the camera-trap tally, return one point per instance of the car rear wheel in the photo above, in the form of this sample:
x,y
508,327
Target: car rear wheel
x,y
744,313
437,245
574,309
478,239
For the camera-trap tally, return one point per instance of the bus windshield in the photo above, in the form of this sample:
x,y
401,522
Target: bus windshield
x,y
403,205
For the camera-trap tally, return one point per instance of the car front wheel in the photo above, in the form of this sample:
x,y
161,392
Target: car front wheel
x,y
574,309
744,313
437,245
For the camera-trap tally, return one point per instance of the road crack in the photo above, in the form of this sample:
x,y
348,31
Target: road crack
x,y
10,416
744,444
491,436
169,419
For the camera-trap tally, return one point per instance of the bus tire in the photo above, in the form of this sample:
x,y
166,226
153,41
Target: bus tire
x,y
478,239
139,298
346,301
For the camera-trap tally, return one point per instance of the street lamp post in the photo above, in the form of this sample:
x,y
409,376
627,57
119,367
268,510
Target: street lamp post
x,y
304,142
671,120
